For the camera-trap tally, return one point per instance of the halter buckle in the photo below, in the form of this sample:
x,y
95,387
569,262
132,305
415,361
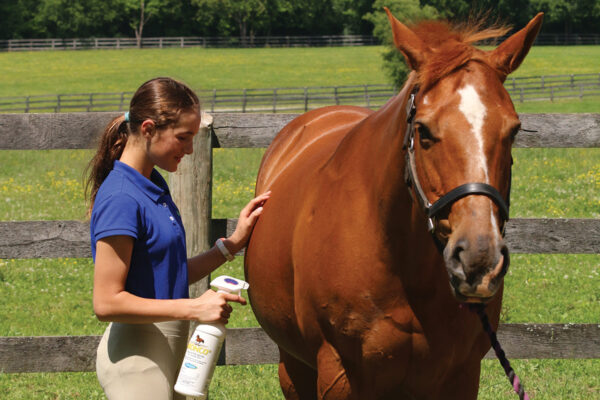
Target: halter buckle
x,y
430,225
411,110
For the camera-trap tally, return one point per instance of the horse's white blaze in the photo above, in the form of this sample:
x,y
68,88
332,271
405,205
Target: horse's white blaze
x,y
475,111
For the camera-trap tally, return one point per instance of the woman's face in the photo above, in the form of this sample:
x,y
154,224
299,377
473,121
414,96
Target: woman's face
x,y
168,145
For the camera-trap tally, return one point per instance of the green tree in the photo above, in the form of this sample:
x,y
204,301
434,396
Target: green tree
x,y
77,18
569,13
407,11
351,13
244,18
516,13
451,9
140,12
312,17
510,12
17,16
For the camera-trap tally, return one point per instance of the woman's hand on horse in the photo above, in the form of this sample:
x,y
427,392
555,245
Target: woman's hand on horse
x,y
213,306
248,217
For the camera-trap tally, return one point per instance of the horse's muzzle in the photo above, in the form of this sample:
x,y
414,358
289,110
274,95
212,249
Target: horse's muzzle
x,y
476,270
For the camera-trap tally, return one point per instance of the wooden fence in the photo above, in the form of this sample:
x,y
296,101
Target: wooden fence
x,y
50,239
300,99
257,41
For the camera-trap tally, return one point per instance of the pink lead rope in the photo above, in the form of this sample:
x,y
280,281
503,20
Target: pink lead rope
x,y
510,372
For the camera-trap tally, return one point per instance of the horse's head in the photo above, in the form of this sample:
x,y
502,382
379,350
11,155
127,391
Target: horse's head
x,y
458,145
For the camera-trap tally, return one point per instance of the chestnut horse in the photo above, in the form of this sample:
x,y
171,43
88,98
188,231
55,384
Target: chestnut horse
x,y
344,269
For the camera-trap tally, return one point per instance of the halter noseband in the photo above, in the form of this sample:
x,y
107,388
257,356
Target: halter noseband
x,y
467,189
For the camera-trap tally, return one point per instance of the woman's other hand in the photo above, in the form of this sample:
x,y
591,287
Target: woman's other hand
x,y
248,217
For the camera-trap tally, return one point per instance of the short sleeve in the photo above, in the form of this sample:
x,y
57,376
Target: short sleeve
x,y
117,214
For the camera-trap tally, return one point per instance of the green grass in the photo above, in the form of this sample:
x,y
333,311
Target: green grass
x,y
125,70
53,297
543,380
587,105
64,72
539,288
557,183
577,380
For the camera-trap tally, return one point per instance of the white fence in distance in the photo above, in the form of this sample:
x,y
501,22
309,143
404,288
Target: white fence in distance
x,y
257,41
185,42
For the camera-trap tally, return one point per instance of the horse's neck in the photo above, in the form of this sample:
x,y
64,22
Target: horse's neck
x,y
372,156
373,149
371,160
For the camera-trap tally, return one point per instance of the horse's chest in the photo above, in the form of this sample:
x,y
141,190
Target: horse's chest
x,y
395,346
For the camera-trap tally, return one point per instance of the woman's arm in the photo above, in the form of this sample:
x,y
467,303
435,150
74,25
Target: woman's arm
x,y
113,303
203,264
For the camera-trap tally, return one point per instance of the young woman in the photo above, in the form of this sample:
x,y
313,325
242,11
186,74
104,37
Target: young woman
x,y
141,272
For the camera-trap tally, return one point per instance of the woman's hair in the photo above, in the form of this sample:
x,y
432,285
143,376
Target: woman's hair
x,y
161,100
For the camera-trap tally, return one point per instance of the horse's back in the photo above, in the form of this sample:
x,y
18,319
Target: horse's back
x,y
313,135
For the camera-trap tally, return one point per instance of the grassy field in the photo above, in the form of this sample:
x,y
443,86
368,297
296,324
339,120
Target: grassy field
x,y
540,288
53,297
63,72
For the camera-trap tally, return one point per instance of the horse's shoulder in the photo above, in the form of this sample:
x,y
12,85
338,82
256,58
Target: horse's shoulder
x,y
309,127
314,134
332,115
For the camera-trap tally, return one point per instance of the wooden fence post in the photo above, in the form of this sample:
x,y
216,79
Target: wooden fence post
x,y
191,188
305,99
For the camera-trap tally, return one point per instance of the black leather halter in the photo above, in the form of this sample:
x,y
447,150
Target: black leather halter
x,y
415,189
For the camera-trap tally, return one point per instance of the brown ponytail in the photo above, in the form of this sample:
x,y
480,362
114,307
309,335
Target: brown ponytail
x,y
161,100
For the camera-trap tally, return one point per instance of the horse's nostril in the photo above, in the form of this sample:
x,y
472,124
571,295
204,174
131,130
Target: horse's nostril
x,y
456,253
459,248
506,254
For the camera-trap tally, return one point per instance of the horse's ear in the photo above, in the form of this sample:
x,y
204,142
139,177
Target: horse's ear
x,y
407,42
510,54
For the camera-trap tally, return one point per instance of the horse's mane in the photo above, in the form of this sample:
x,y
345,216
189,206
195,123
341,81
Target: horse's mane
x,y
452,47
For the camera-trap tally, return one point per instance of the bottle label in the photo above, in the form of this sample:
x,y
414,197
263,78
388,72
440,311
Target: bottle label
x,y
199,363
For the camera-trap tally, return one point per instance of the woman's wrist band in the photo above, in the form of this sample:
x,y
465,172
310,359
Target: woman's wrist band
x,y
223,249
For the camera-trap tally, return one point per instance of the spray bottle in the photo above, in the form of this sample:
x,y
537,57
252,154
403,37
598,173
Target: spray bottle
x,y
204,347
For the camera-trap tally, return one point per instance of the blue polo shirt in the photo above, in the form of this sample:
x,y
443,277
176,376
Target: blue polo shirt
x,y
129,204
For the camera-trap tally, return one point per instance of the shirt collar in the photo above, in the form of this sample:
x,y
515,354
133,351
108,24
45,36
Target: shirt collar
x,y
154,188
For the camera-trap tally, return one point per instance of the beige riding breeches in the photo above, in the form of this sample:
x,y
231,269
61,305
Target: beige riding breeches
x,y
141,361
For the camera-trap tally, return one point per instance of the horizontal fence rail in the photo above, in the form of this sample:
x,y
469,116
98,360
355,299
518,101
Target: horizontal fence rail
x,y
299,99
234,42
70,239
245,346
57,239
81,131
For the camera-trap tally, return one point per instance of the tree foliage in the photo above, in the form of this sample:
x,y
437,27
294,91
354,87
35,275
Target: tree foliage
x,y
570,15
407,11
248,18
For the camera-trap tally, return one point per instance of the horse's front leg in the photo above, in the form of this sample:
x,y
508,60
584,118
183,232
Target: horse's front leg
x,y
298,381
462,383
332,382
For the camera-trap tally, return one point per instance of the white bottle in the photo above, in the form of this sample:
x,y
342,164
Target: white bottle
x,y
204,347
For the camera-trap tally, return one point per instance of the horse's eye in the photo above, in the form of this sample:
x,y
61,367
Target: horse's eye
x,y
513,133
424,133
